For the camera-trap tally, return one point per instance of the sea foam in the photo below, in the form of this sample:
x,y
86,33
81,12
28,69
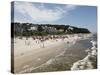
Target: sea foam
x,y
89,62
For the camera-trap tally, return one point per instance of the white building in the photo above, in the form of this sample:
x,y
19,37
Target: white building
x,y
34,28
70,28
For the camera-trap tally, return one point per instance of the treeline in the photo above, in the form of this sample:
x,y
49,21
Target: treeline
x,y
29,29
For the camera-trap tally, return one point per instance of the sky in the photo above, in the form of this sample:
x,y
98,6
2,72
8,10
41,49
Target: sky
x,y
47,13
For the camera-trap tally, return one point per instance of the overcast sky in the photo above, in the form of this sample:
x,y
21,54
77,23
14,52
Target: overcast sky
x,y
47,13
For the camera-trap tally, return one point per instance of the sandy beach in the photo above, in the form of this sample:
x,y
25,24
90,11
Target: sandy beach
x,y
32,55
38,56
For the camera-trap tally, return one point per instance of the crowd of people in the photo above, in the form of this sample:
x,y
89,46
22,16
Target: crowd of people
x,y
42,39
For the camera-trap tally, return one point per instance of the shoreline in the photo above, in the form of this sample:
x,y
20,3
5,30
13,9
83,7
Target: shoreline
x,y
64,61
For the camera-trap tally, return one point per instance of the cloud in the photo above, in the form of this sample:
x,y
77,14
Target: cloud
x,y
40,13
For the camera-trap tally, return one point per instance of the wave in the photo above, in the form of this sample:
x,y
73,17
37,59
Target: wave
x,y
90,61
